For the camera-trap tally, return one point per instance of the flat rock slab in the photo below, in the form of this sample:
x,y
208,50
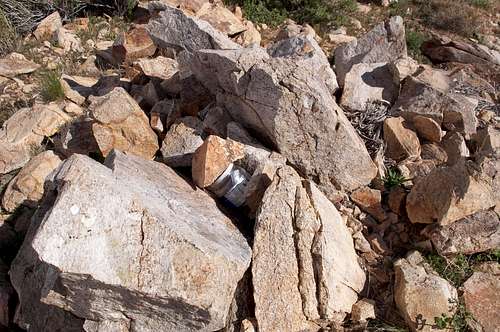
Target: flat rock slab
x,y
133,241
16,64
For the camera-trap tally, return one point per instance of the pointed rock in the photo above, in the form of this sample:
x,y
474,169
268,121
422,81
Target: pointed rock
x,y
401,142
181,141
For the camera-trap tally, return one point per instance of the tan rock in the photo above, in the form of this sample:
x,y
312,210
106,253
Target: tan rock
x,y
436,78
370,201
401,142
133,45
168,110
481,297
71,94
27,187
448,194
427,128
434,152
73,109
403,67
23,133
68,40
221,18
212,158
121,124
421,295
363,310
16,64
48,27
397,200
159,67
155,122
181,142
455,147
251,36
248,325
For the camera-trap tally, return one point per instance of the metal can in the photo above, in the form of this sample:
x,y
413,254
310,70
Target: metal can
x,y
231,184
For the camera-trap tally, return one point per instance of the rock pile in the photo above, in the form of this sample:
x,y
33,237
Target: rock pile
x,y
227,186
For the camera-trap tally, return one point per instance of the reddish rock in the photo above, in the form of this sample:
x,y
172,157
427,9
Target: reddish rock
x,y
369,200
133,45
401,141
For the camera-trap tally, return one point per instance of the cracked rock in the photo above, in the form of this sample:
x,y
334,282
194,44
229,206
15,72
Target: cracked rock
x,y
130,241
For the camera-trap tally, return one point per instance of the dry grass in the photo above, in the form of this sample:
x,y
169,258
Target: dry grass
x,y
7,35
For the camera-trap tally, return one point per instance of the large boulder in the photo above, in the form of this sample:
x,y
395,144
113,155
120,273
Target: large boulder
x,y
421,295
448,194
288,105
120,123
131,241
478,232
22,134
304,265
27,186
386,42
16,64
221,19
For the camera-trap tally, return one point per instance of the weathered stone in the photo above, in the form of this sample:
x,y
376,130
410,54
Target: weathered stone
x,y
421,295
369,82
283,100
172,29
363,310
107,325
448,194
237,133
460,115
403,67
386,42
216,120
250,36
434,152
187,6
401,142
133,45
16,64
370,201
220,18
481,297
169,111
6,296
443,49
212,158
248,326
194,97
155,122
455,147
415,169
290,250
73,109
427,128
77,138
101,252
48,27
23,133
68,40
71,94
181,141
27,187
159,67
121,124
397,200
436,78
478,232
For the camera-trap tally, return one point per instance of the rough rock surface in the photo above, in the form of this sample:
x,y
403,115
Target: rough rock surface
x,y
159,67
481,296
479,232
221,19
427,128
133,45
48,27
16,64
181,141
448,194
212,158
283,100
420,294
100,251
369,82
24,132
401,142
289,250
386,42
370,201
27,186
121,124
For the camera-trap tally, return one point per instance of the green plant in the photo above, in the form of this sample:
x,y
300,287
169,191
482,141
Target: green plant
x,y
51,88
399,8
394,178
485,4
414,39
457,322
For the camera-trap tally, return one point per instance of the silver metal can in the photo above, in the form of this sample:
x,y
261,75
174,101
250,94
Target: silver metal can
x,y
231,184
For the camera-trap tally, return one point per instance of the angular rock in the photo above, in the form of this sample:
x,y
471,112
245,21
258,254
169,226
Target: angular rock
x,y
397,200
403,67
421,295
22,134
401,142
216,120
443,49
460,115
369,82
427,128
121,124
71,94
212,158
101,252
68,41
27,187
155,122
77,138
172,29
16,64
455,147
436,78
250,36
48,27
363,310
187,6
285,102
481,297
478,232
133,45
290,251
434,152
448,194
169,111
181,141
370,201
159,67
386,42
220,18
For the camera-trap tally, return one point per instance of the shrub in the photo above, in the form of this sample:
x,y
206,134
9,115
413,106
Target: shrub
x,y
485,4
7,35
414,40
394,178
51,88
